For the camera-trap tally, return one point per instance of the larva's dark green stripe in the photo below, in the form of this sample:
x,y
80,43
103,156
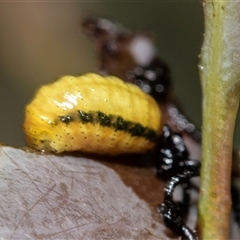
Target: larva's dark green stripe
x,y
116,122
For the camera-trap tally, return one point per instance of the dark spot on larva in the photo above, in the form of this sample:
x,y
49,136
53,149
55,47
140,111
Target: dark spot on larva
x,y
65,119
103,119
137,130
120,124
150,134
85,117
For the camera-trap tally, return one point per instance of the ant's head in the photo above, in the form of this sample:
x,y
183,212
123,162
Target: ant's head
x,y
120,50
129,55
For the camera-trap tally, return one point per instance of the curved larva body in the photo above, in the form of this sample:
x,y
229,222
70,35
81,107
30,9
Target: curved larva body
x,y
92,113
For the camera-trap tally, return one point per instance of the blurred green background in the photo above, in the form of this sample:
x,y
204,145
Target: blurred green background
x,y
41,41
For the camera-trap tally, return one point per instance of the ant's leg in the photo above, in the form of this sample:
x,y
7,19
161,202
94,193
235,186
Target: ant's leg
x,y
174,213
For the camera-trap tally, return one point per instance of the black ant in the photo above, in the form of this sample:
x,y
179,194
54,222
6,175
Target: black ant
x,y
132,56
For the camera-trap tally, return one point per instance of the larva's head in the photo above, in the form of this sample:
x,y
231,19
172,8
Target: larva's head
x,y
37,130
41,120
92,113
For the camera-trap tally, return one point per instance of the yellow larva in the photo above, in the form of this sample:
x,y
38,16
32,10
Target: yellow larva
x,y
91,113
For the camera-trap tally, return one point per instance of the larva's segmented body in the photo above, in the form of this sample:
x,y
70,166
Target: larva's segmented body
x,y
92,113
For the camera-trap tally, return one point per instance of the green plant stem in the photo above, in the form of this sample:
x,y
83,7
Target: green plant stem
x,y
220,75
215,201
